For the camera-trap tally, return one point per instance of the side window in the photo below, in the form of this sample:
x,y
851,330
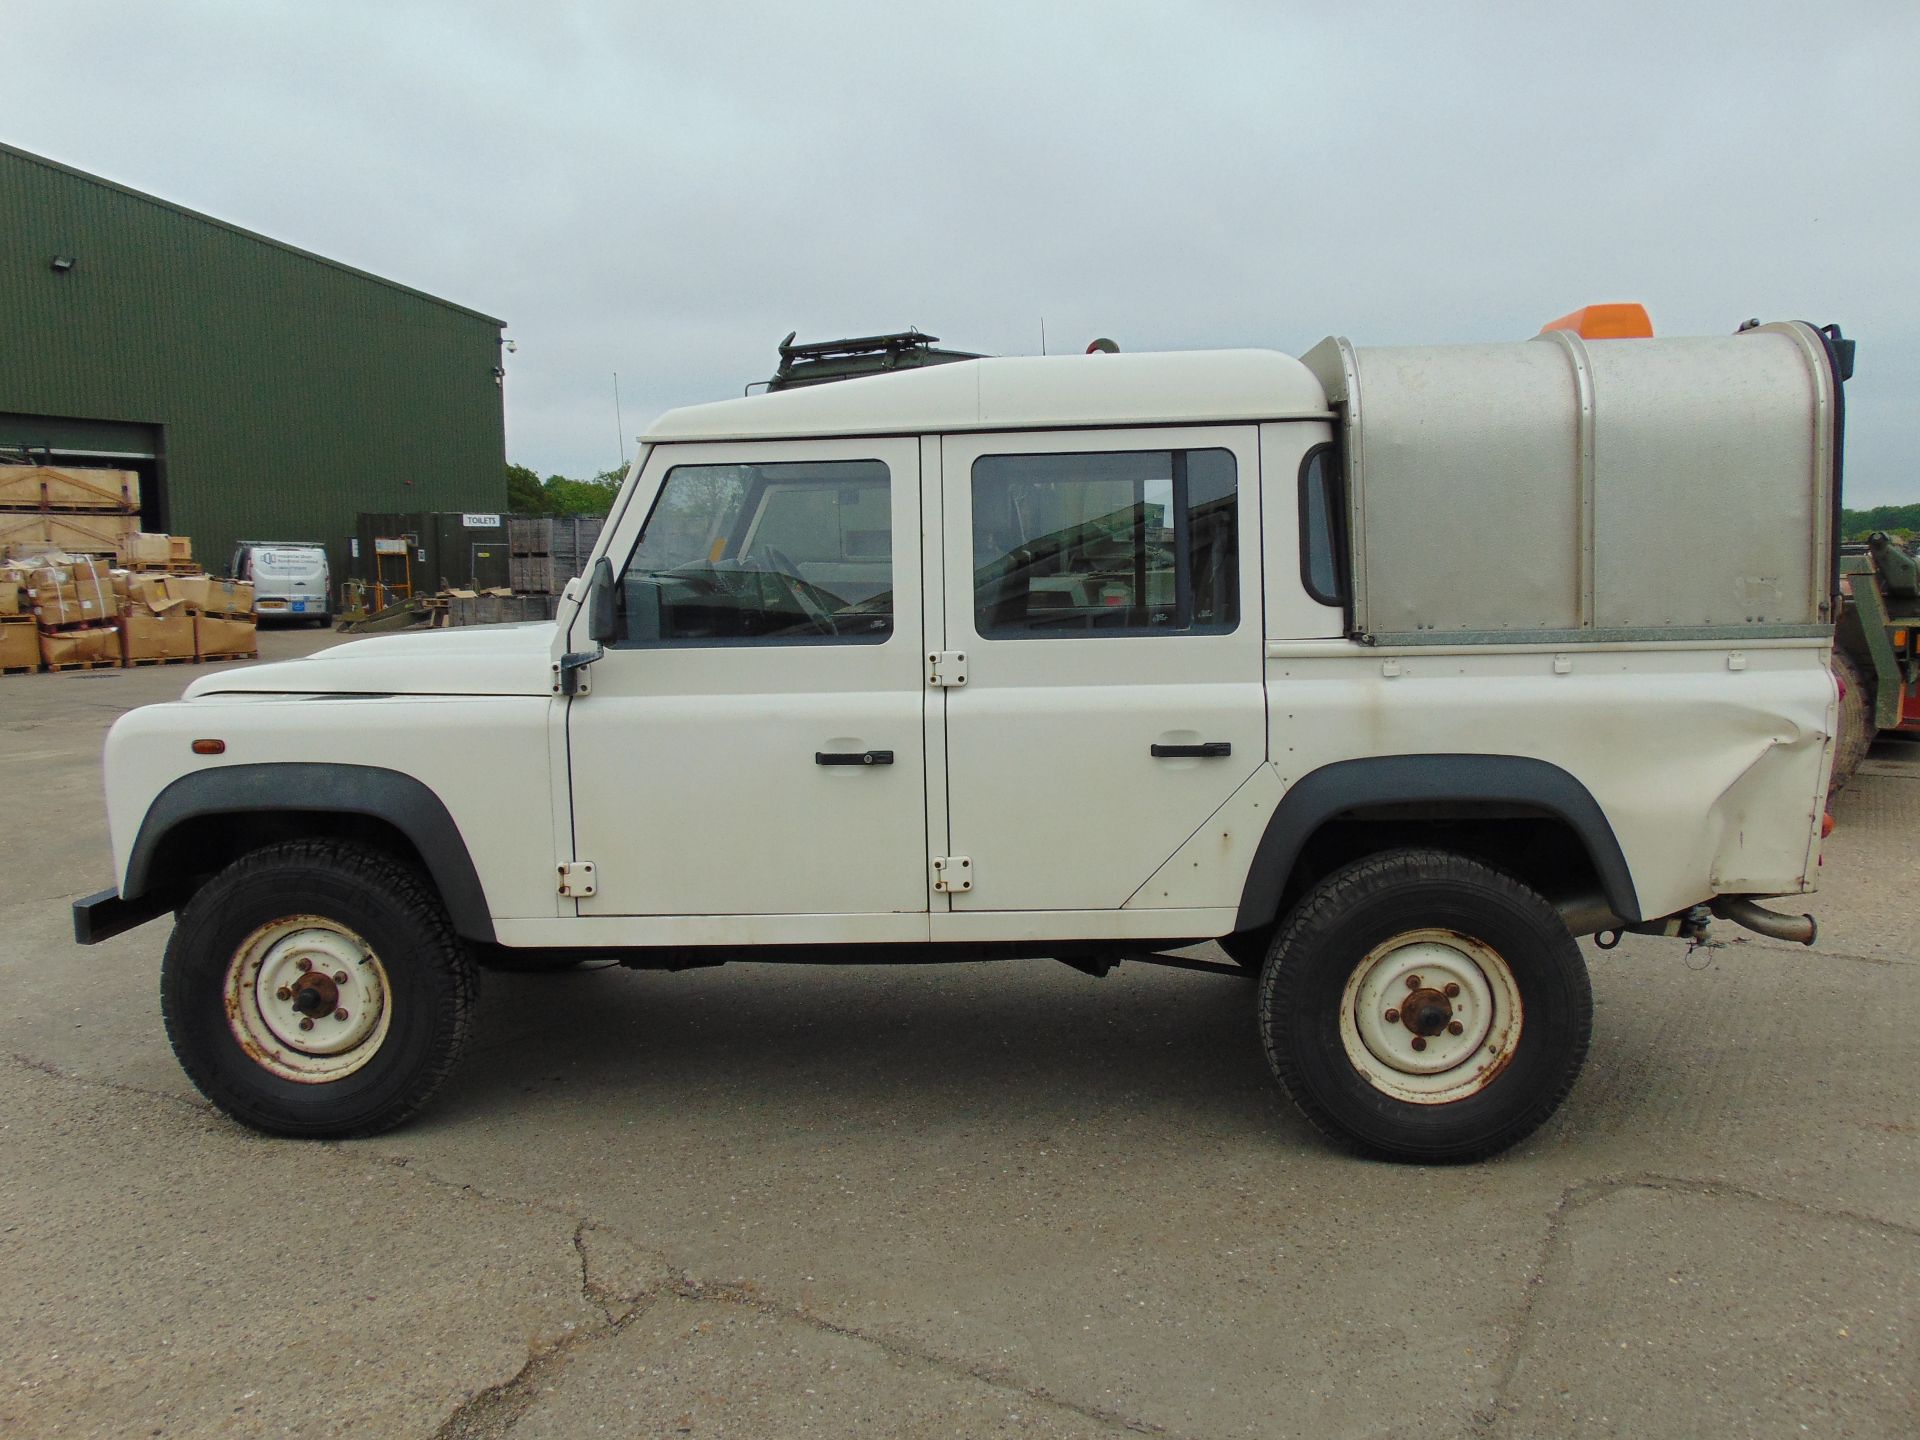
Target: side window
x,y
775,554
1322,527
1138,542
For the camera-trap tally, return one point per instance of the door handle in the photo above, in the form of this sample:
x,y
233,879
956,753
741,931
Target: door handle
x,y
1207,750
853,757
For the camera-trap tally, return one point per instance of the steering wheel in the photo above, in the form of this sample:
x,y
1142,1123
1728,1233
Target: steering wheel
x,y
790,576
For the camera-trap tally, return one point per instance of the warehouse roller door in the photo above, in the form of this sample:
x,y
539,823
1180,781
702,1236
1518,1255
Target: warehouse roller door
x,y
118,444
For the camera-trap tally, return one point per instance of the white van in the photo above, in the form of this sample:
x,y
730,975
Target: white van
x,y
290,578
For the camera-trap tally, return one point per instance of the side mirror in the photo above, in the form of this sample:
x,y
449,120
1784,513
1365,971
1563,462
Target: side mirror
x,y
603,615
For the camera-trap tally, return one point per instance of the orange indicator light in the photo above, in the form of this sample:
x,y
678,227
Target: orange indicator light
x,y
1627,321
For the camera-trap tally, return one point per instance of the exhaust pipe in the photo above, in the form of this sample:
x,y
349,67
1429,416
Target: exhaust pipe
x,y
1587,914
1800,929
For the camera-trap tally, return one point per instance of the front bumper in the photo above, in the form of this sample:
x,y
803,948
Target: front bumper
x,y
105,915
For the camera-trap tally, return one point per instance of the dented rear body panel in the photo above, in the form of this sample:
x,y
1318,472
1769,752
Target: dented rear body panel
x,y
1709,761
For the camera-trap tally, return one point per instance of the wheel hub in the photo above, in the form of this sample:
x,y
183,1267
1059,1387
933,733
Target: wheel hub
x,y
1430,1016
315,995
1426,1012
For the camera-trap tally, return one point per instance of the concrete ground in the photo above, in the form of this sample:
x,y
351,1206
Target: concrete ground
x,y
954,1201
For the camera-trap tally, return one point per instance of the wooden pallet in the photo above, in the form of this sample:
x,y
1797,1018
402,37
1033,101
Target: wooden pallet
x,y
19,669
84,665
160,660
236,655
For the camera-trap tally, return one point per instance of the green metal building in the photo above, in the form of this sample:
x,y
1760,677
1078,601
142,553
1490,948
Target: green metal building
x,y
263,393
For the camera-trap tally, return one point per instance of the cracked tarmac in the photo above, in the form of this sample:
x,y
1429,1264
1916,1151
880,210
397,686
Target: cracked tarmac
x,y
954,1200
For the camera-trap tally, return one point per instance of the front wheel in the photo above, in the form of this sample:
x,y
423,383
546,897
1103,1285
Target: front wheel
x,y
316,988
1421,1006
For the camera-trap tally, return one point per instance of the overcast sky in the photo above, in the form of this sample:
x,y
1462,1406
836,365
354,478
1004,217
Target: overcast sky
x,y
666,191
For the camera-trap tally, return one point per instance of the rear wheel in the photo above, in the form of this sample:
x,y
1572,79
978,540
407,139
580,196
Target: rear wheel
x,y
316,988
1421,1006
1856,721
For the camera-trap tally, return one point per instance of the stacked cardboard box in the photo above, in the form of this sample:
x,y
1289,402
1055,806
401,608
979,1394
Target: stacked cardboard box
x,y
155,625
19,641
75,609
71,611
223,618
73,509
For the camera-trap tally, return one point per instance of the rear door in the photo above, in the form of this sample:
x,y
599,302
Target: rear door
x,y
1104,589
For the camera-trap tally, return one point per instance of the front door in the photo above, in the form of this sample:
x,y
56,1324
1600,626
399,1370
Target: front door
x,y
1104,587
753,744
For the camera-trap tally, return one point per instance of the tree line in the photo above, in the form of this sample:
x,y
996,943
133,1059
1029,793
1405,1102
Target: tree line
x,y
1901,520
528,494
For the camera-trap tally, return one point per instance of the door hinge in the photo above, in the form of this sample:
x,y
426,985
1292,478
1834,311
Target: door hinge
x,y
952,873
946,667
570,674
576,879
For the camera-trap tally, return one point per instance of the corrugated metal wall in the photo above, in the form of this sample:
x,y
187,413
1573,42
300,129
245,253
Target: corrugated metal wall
x,y
293,393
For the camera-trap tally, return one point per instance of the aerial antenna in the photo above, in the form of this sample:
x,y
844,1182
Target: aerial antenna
x,y
619,424
1043,334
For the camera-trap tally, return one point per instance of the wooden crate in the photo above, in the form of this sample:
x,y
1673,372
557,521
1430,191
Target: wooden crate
x,y
68,487
530,574
77,532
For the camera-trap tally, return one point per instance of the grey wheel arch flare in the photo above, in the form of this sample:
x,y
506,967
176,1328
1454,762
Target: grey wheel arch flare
x,y
401,801
1357,785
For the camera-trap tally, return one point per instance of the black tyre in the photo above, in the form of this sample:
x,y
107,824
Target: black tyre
x,y
316,988
1421,1006
1857,729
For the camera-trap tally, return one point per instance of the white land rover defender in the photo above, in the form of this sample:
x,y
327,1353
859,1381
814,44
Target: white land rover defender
x,y
1391,670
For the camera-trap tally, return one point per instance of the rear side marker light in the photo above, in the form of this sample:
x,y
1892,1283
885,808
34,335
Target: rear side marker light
x,y
1826,825
209,747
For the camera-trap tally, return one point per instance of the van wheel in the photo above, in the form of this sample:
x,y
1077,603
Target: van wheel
x,y
1421,1006
316,988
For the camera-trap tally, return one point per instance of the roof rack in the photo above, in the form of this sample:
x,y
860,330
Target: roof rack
x,y
816,362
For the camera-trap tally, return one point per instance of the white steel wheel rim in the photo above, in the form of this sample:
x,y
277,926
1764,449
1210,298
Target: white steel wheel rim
x,y
1431,1016
307,968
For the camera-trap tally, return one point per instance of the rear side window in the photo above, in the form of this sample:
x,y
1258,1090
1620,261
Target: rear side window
x,y
1322,527
1135,542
